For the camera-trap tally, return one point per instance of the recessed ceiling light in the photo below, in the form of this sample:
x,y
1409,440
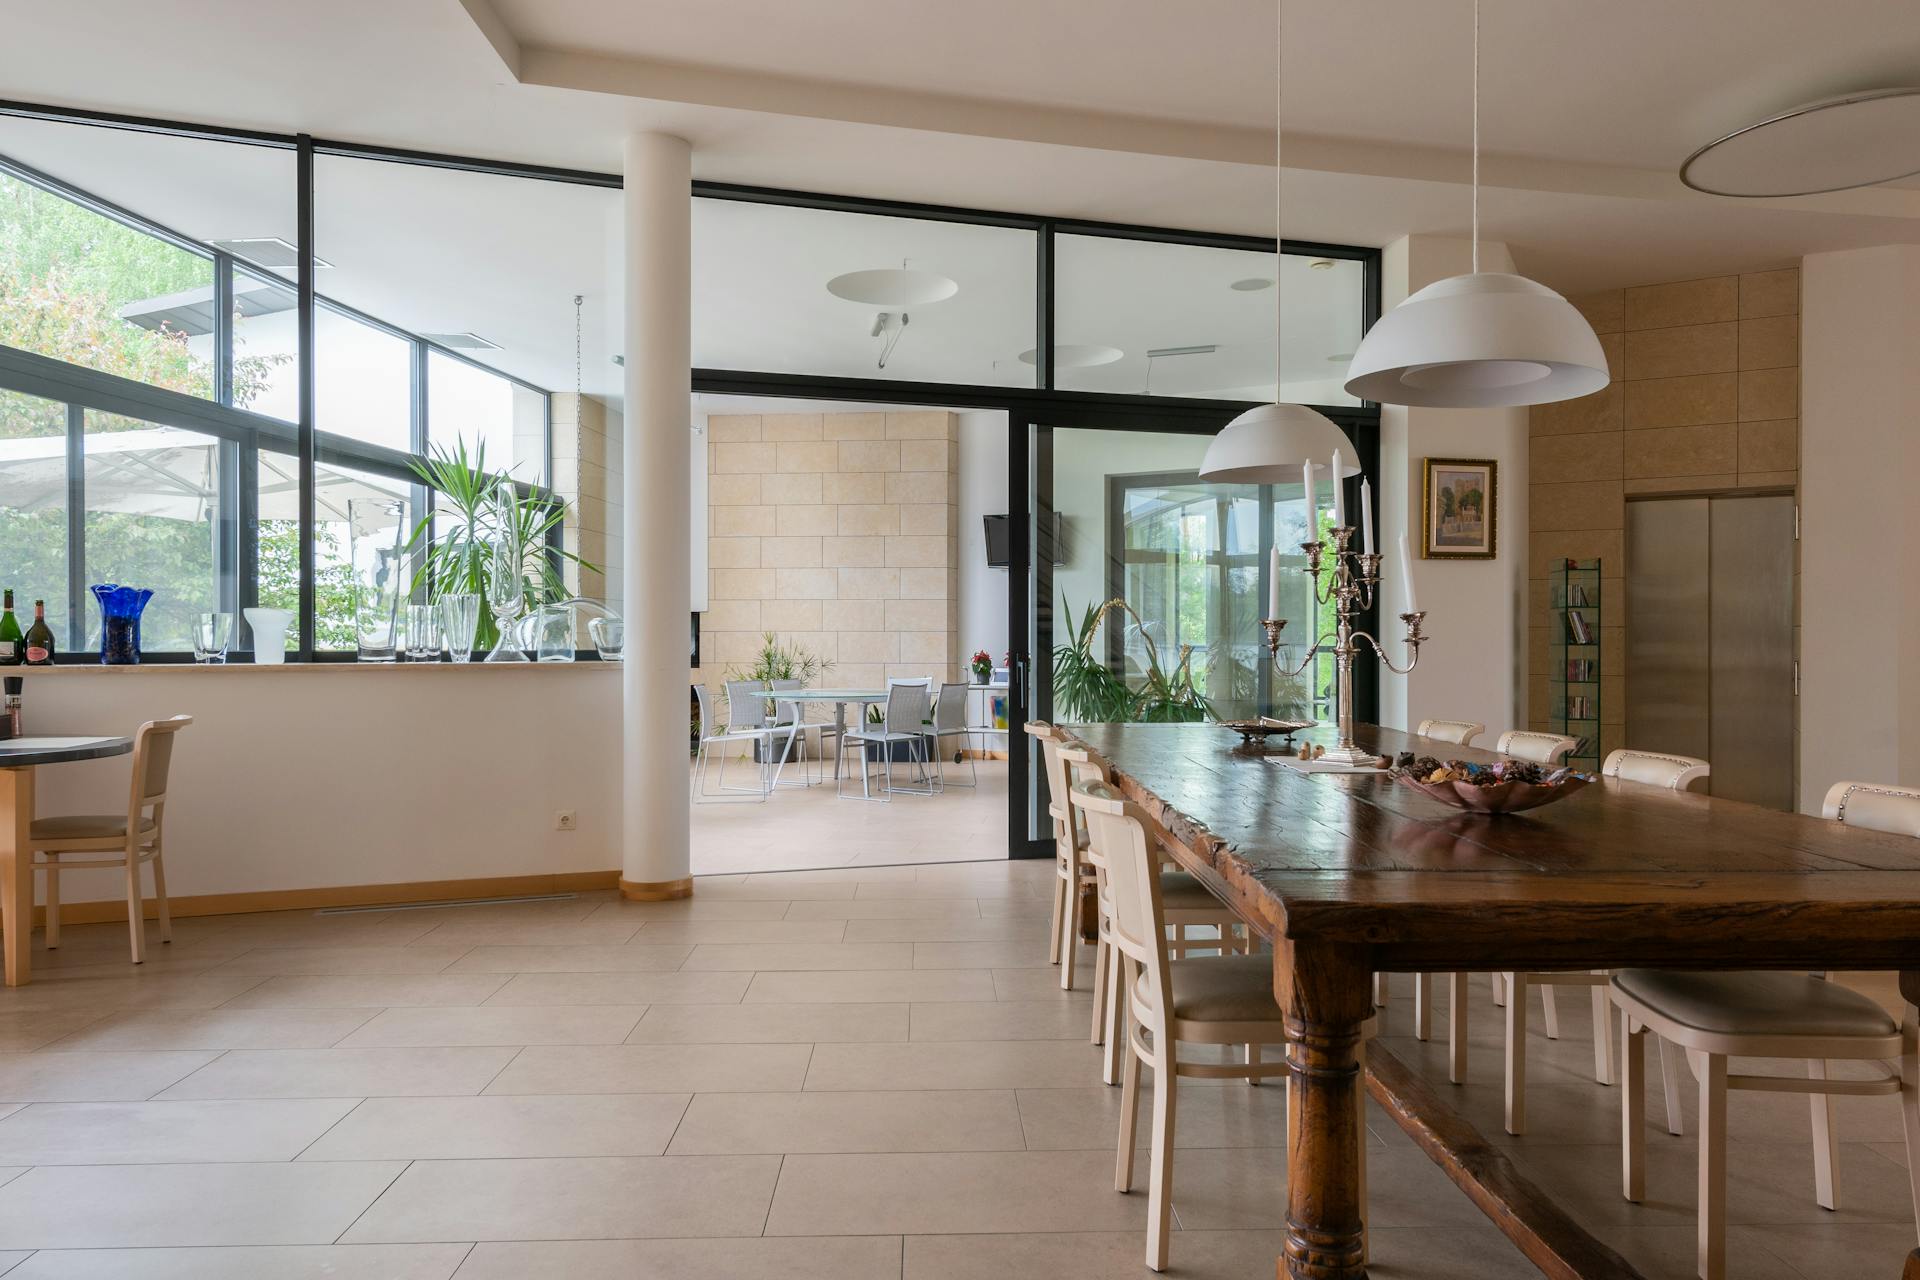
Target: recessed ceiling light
x,y
1252,284
1856,140
893,287
467,341
1070,355
1321,264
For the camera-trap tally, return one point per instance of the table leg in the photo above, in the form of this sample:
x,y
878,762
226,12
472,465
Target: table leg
x,y
16,872
1324,990
839,737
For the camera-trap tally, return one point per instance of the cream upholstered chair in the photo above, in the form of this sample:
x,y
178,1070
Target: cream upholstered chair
x,y
1650,768
1874,805
1540,748
1072,872
132,837
1461,732
1186,904
1218,1000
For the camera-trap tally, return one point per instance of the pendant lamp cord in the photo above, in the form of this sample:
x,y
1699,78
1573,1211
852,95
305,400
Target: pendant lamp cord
x,y
1476,137
1279,189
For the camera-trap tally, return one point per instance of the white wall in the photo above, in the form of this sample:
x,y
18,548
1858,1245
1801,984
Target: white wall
x,y
308,776
1473,667
983,492
1860,533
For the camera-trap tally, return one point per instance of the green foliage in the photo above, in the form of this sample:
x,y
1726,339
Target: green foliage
x,y
1086,690
459,560
777,661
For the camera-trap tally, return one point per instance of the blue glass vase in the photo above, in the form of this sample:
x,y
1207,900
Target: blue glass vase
x,y
120,609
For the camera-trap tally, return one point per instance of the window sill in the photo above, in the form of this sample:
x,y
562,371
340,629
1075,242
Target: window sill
x,y
178,668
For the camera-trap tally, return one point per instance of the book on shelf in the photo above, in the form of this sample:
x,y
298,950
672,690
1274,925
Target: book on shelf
x,y
1577,627
1582,670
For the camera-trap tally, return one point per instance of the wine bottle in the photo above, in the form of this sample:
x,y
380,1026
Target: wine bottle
x,y
12,644
39,638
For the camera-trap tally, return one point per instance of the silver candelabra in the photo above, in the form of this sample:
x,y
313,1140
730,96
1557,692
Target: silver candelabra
x,y
1350,585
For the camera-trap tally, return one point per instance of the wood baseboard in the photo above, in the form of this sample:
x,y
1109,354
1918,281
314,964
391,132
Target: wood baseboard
x,y
656,890
352,895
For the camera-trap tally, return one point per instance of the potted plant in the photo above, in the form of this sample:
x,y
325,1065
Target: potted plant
x,y
457,560
1085,689
777,661
982,666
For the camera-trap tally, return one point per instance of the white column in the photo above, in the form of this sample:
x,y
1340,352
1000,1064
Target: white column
x,y
655,574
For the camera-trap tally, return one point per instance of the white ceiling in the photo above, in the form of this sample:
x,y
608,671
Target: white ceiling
x,y
1130,110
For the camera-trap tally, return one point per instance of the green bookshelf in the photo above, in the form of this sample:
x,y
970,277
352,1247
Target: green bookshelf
x,y
1574,653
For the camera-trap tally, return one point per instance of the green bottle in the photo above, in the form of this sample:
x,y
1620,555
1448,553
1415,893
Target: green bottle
x,y
12,643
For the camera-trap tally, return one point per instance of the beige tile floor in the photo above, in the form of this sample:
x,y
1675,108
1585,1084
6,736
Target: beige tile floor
x,y
801,828
826,1075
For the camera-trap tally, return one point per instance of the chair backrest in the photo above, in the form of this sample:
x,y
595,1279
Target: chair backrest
x,y
1081,765
907,702
1117,832
1877,806
152,758
1540,748
704,696
1655,768
1462,732
746,704
785,711
950,709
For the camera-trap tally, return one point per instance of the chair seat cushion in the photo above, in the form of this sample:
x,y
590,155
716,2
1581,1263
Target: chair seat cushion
x,y
85,826
1756,1003
1222,989
1180,891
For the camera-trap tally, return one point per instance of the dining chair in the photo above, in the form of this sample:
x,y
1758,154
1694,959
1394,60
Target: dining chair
x,y
1460,732
1718,1016
950,721
1187,904
1220,1000
746,722
809,737
1069,876
1649,768
132,837
1874,805
1539,748
904,722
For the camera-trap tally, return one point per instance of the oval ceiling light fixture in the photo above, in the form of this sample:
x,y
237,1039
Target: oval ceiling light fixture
x,y
1252,284
1836,144
893,287
1074,355
1488,339
1269,443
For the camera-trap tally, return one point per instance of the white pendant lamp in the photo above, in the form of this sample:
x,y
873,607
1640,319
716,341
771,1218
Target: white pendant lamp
x,y
1270,443
1483,340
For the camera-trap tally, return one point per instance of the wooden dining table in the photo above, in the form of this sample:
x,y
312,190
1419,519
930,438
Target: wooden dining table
x,y
1349,874
19,757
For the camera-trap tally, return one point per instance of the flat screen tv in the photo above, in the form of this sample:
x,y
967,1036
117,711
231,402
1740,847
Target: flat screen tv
x,y
999,541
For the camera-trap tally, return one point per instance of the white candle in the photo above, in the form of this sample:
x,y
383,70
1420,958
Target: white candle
x,y
1406,573
1306,488
1366,515
1339,494
1273,585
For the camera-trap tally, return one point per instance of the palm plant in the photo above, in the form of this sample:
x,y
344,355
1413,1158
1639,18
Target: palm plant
x,y
1085,689
459,559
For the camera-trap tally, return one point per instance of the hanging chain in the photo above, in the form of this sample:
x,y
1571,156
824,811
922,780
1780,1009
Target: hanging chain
x,y
1279,191
1476,137
579,403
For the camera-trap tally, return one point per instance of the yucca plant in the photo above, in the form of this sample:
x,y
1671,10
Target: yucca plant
x,y
1085,689
458,560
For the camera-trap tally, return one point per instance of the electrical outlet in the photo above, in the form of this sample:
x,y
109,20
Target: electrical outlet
x,y
564,820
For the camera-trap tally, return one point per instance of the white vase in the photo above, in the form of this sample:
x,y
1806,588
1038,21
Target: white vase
x,y
269,635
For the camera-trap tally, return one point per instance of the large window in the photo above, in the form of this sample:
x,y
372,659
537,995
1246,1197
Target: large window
x,y
33,505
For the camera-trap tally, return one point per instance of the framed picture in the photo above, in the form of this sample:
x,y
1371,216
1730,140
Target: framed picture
x,y
1460,509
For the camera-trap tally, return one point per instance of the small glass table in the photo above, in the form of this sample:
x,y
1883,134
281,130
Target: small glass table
x,y
841,700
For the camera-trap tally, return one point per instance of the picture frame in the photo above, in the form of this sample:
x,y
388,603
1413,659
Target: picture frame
x,y
1460,509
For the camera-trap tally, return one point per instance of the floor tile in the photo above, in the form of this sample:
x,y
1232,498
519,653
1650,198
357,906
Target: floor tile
x,y
255,1262
636,1124
1837,1249
622,988
498,1025
655,1068
370,991
120,1206
770,1023
920,1120
71,1133
219,1029
870,987
1058,1019
823,1258
589,958
594,1199
1016,953
944,929
339,960
570,933
160,989
308,929
93,1077
886,909
343,1073
786,956
776,889
1042,984
695,908
1085,1118
1005,1064
951,1192
683,932
24,1032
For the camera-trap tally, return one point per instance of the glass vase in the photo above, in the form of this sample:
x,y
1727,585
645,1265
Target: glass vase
x,y
120,609
379,539
506,569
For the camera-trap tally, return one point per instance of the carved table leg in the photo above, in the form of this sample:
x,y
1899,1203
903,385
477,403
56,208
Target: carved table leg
x,y
1324,990
1910,1095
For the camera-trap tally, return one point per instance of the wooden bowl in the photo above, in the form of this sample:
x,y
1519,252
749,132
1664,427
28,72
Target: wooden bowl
x,y
1256,732
1501,797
